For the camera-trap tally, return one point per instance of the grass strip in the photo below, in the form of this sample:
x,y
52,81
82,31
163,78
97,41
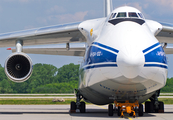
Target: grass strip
x,y
25,101
166,100
37,96
165,95
33,101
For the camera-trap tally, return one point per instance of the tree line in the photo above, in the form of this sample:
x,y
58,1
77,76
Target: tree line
x,y
168,87
45,79
50,79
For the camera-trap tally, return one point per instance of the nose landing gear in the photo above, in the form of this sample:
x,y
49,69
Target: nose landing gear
x,y
130,108
78,105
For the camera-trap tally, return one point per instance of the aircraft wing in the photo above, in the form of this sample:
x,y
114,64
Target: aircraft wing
x,y
168,50
66,33
55,50
166,36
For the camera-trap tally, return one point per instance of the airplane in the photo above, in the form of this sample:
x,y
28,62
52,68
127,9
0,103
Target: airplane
x,y
124,58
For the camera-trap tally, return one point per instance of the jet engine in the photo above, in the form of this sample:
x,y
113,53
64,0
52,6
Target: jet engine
x,y
18,67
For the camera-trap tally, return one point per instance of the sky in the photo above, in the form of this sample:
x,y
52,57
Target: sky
x,y
18,15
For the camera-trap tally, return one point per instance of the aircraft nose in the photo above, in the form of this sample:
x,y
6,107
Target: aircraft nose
x,y
130,63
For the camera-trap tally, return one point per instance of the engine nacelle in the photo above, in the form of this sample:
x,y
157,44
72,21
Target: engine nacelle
x,y
18,67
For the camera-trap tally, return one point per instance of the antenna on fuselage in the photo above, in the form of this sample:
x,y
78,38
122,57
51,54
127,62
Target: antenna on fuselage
x,y
107,7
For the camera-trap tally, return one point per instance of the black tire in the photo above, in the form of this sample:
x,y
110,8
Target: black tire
x,y
82,107
110,110
147,106
140,112
161,107
131,114
136,110
73,107
119,111
150,107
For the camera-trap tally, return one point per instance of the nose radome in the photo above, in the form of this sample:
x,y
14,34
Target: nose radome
x,y
131,63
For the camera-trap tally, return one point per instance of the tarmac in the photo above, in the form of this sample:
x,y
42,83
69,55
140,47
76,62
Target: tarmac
x,y
52,97
61,112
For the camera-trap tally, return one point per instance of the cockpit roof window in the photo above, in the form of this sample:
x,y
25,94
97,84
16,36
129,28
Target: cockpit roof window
x,y
133,15
122,14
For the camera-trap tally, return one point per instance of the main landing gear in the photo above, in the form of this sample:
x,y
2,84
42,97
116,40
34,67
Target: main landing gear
x,y
78,105
130,108
154,106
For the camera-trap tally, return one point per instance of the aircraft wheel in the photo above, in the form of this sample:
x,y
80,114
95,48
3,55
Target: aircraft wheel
x,y
82,107
110,110
161,107
147,106
131,114
119,111
140,112
73,107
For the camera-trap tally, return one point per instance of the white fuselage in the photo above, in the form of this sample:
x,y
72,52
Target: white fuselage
x,y
125,62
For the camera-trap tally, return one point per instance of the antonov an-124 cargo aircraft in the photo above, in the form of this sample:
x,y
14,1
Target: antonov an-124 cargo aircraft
x,y
124,58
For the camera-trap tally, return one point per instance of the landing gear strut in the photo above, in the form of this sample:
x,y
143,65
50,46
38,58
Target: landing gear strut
x,y
154,106
78,105
130,108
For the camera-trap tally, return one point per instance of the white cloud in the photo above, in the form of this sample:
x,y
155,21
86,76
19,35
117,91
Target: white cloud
x,y
141,8
65,18
165,3
78,16
55,9
136,5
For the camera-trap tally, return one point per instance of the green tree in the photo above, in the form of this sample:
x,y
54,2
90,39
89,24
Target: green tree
x,y
5,86
68,73
42,74
65,81
169,86
45,79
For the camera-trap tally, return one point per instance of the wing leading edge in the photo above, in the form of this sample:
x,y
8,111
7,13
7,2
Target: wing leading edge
x,y
55,50
46,35
166,36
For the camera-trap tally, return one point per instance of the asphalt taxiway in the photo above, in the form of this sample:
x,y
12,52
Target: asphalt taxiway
x,y
61,112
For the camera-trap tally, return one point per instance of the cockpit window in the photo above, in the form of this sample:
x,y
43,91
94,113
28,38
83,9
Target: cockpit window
x,y
112,15
133,14
140,15
122,14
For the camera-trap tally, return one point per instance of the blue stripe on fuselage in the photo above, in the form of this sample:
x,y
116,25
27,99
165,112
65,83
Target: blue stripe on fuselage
x,y
156,65
155,56
151,47
106,47
103,65
99,53
96,55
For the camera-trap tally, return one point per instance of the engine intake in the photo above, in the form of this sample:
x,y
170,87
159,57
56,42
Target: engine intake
x,y
18,67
